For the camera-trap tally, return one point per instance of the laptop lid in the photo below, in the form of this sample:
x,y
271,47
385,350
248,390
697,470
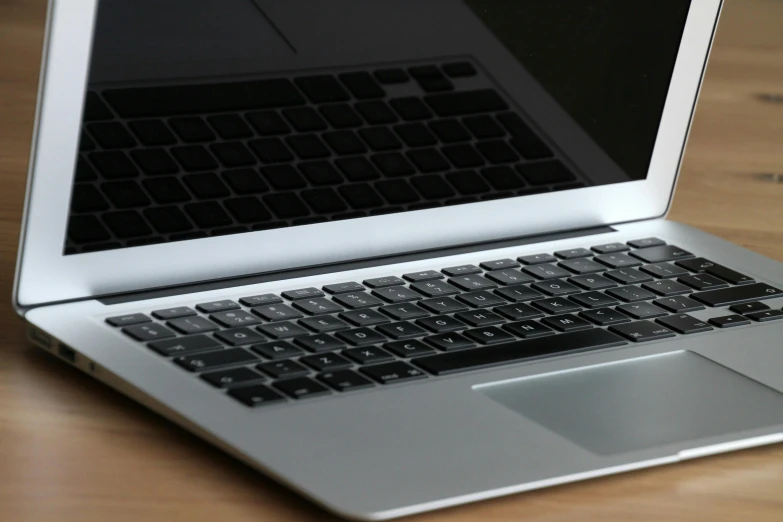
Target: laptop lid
x,y
180,141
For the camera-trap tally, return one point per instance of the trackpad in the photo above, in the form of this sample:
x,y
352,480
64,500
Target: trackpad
x,y
642,403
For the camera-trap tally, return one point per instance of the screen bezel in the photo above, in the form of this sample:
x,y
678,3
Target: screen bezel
x,y
46,275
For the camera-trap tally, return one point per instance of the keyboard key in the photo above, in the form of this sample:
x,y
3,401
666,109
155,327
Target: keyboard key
x,y
461,270
555,287
324,324
661,253
427,275
472,282
617,260
697,264
434,288
630,294
322,89
737,295
641,331
230,126
257,300
343,288
283,369
183,345
727,321
610,248
518,312
376,112
276,312
191,129
519,293
305,119
341,116
646,242
396,294
500,265
394,372
566,323
217,359
255,395
155,162
527,142
479,318
592,282
368,355
481,299
703,282
684,324
546,271
232,377
488,335
277,350
727,274
391,76
556,305
192,325
594,300
282,330
326,362
234,318
664,270
748,307
409,348
487,357
528,329
441,324
582,266
410,108
364,317
450,131
361,337
465,156
573,253
667,287
128,320
380,139
465,102
769,315
380,282
449,341
605,316
403,311
678,304
401,330
217,306
508,276
642,310
317,306
301,388
459,69
628,276
345,380
443,305
356,300
239,336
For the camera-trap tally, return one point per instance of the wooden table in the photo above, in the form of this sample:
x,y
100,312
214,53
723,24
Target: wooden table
x,y
71,449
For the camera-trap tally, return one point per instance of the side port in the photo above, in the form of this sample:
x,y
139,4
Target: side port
x,y
67,353
39,337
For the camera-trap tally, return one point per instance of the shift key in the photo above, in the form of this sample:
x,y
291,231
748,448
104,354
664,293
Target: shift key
x,y
737,294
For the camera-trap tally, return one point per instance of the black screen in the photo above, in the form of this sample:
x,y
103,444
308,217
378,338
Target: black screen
x,y
213,117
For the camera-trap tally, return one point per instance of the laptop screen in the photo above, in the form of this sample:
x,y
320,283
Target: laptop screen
x,y
214,117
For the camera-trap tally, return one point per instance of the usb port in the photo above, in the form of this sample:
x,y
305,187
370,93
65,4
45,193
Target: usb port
x,y
67,353
40,338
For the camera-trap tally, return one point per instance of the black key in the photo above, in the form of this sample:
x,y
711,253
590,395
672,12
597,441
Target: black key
x,y
646,242
546,271
479,318
114,165
173,313
497,151
234,318
434,288
555,287
217,359
769,315
573,253
566,323
661,253
393,164
166,190
286,205
503,178
191,129
380,139
401,330
664,270
678,304
556,305
441,324
324,324
308,146
697,264
459,69
592,282
128,320
303,293
428,160
396,294
95,109
582,266
403,311
411,348
397,191
305,119
301,388
518,312
233,154
362,85
610,248
528,329
684,324
483,127
322,89
432,187
192,325
667,287
727,321
376,112
427,275
410,108
617,260
194,158
239,336
255,395
641,331
343,288
472,282
341,116
627,276
748,307
461,270
230,126
127,224
361,196
594,300
642,310
737,295
368,355
499,264
380,282
727,274
271,150
247,209
449,341
268,123
364,317
357,169
630,293
317,306
277,350
124,194
283,369
536,259
605,316
183,345
326,362
155,161
394,372
232,377
206,185
217,306
463,156
257,300
508,277
111,135
345,380
361,337
703,282
527,142
391,76
355,300
488,335
466,102
543,172
344,142
481,299
430,78
442,305
518,293
152,132
282,330
450,131
487,357
276,312
84,171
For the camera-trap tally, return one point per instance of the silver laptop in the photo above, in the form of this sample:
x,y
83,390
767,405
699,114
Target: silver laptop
x,y
396,255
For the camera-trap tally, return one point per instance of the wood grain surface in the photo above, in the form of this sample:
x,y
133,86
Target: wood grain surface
x,y
71,449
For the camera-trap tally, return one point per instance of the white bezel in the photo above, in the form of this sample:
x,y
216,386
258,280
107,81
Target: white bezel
x,y
45,275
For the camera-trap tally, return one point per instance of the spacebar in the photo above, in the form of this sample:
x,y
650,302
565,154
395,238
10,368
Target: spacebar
x,y
497,355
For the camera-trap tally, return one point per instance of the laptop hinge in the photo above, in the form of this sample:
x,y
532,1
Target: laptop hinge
x,y
343,266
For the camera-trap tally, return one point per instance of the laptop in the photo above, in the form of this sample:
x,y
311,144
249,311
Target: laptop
x,y
396,255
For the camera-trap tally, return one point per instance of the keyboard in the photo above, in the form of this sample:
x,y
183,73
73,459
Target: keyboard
x,y
308,342
185,161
